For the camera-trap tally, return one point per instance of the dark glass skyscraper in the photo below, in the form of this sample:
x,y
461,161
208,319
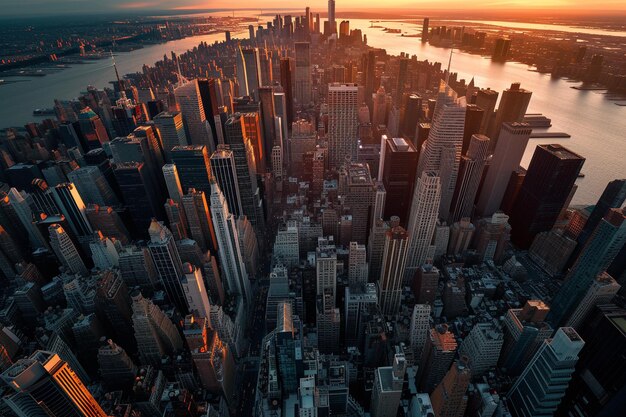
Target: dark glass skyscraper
x,y
546,188
192,163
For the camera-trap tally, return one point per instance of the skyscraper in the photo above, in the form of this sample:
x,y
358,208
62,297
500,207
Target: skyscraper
x,y
286,81
172,182
199,219
355,183
420,329
44,384
326,270
228,243
512,108
387,390
192,163
438,355
224,172
441,153
253,70
398,176
332,25
422,222
392,272
449,398
65,250
613,196
92,186
72,206
167,262
140,194
524,330
155,333
171,131
482,347
600,250
602,291
357,263
191,107
425,30
506,158
546,188
243,154
542,385
302,88
470,174
195,291
342,123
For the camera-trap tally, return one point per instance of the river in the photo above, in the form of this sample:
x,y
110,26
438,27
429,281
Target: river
x,y
597,125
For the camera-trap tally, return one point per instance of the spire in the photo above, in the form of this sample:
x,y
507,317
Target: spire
x,y
117,74
448,70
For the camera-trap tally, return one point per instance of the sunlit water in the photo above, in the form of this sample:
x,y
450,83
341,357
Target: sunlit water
x,y
597,125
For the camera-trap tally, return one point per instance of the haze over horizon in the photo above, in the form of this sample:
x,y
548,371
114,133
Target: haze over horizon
x,y
560,7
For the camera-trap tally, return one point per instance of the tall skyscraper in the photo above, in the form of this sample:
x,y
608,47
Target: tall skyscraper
x,y
45,384
228,243
613,196
212,357
399,169
192,163
438,355
286,81
512,108
419,330
115,366
540,388
602,291
302,90
195,291
72,206
191,107
155,333
387,390
597,386
171,131
600,250
470,174
422,222
342,123
253,70
224,171
243,154
392,272
506,158
271,135
167,262
140,194
332,24
199,219
449,398
65,250
172,182
355,183
482,347
546,188
524,330
106,220
441,153
360,299
357,263
92,186
425,30
241,73
326,270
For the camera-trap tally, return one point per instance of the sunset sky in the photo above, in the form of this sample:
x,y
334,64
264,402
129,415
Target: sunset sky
x,y
26,7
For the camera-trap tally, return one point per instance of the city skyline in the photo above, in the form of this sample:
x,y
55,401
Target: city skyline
x,y
303,214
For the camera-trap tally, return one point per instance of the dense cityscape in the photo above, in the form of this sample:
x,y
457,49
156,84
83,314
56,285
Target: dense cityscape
x,y
289,222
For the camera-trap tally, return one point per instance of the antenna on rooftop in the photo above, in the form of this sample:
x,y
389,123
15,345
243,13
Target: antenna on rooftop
x,y
181,80
117,74
449,65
